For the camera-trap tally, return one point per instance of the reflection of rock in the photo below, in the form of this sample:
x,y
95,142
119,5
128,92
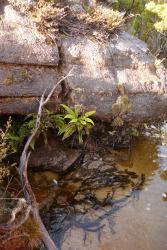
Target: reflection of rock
x,y
55,156
94,214
144,155
163,175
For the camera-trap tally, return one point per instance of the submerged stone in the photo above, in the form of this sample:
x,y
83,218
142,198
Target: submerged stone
x,y
55,156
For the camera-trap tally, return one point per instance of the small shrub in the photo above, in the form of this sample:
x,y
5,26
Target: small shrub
x,y
75,122
121,107
66,124
161,11
4,146
109,18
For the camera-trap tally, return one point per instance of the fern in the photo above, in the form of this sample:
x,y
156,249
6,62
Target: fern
x,y
75,122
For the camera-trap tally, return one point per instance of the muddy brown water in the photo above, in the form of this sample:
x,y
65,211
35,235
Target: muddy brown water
x,y
133,219
134,222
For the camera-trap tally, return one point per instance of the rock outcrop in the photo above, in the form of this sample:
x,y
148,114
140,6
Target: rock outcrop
x,y
30,63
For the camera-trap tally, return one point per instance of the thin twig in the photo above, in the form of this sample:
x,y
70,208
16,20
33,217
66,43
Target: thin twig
x,y
30,198
28,192
7,186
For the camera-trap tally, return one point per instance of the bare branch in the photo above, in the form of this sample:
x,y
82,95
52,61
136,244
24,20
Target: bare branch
x,y
28,192
30,199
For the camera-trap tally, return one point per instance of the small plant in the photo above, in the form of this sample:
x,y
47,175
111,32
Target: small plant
x,y
26,75
161,11
134,132
18,132
75,122
67,124
8,80
121,107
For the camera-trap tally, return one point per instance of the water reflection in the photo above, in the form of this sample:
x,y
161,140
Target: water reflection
x,y
129,224
140,224
163,175
143,158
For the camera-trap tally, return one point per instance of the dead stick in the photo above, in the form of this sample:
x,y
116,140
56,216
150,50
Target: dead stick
x,y
28,192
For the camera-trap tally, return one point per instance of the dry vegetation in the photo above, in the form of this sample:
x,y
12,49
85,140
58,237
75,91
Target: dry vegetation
x,y
60,19
27,235
4,149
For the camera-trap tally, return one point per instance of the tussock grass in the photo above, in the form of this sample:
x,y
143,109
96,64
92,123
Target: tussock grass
x,y
57,18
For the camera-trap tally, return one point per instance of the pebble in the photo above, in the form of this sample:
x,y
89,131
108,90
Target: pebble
x,y
55,182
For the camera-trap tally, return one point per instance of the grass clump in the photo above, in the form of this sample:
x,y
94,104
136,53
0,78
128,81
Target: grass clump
x,y
107,18
57,18
4,150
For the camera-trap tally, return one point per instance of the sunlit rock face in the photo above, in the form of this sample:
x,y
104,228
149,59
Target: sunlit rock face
x,y
22,44
30,63
98,68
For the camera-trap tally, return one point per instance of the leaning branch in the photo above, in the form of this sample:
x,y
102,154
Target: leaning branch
x,y
30,202
28,192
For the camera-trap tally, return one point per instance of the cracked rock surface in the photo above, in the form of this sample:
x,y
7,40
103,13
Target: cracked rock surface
x,y
29,64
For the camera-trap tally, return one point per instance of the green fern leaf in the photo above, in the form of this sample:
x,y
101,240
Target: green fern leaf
x,y
67,109
89,120
90,113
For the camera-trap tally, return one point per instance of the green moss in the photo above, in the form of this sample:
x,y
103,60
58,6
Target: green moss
x,y
8,80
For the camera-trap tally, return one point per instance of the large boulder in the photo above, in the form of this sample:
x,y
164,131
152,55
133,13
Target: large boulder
x,y
30,63
21,43
22,85
99,68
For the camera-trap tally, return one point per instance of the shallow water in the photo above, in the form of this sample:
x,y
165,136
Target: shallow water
x,y
138,222
134,221
142,223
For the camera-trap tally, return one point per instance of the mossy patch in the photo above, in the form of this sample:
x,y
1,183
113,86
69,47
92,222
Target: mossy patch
x,y
8,80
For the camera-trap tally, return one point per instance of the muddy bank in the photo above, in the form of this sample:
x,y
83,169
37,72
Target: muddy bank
x,y
30,63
